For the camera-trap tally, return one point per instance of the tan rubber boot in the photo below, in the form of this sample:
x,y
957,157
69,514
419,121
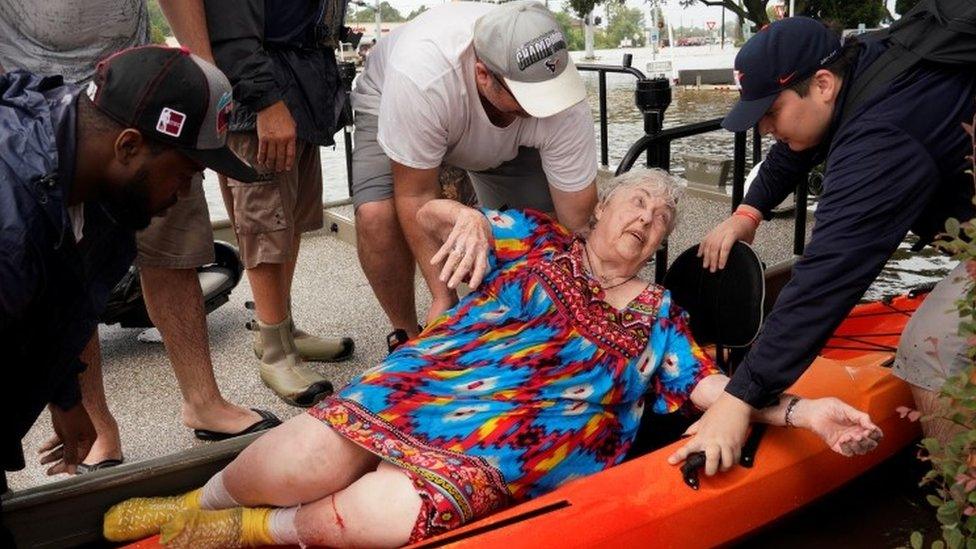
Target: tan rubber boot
x,y
282,369
311,348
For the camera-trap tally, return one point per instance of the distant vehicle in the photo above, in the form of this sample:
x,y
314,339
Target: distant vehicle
x,y
692,41
348,53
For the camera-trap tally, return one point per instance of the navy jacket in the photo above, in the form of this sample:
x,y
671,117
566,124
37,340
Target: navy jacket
x,y
897,164
271,50
51,289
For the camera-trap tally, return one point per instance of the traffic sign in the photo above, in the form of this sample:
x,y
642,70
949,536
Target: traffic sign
x,y
710,24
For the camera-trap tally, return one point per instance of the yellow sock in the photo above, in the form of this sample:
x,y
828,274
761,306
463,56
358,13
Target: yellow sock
x,y
138,518
230,528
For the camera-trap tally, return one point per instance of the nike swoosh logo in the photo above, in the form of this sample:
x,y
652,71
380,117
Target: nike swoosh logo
x,y
785,79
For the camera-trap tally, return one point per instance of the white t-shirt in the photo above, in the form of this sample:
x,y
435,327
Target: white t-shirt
x,y
420,82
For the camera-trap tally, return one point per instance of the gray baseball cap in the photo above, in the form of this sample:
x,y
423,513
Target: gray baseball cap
x,y
523,43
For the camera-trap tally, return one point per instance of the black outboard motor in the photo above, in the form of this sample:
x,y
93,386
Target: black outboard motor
x,y
127,308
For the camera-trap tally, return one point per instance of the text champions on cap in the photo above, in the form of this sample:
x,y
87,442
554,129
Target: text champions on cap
x,y
540,48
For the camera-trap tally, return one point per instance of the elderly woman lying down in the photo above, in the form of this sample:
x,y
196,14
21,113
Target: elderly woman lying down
x,y
537,377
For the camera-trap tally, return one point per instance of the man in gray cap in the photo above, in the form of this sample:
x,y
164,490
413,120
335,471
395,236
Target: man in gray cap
x,y
489,89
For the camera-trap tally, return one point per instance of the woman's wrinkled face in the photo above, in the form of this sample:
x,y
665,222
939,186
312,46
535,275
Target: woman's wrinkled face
x,y
633,223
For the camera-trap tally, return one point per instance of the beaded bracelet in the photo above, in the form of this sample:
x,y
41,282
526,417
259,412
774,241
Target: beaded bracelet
x,y
789,411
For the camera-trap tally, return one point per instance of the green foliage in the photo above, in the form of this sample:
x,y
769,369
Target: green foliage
x,y
625,23
572,30
417,12
848,14
953,472
158,26
582,7
388,14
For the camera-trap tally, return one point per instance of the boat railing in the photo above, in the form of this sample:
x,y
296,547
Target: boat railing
x,y
652,96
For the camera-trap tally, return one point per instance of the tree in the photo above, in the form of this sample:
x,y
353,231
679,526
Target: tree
x,y
753,10
846,13
368,14
582,8
158,26
572,30
625,23
416,12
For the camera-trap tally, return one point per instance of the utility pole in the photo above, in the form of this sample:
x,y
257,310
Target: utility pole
x,y
379,22
723,28
588,35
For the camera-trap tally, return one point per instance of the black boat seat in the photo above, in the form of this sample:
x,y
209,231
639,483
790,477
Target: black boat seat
x,y
725,309
127,307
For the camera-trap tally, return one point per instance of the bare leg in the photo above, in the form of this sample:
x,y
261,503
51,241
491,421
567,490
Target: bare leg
x,y
378,510
175,305
300,461
268,285
387,262
929,402
288,269
108,445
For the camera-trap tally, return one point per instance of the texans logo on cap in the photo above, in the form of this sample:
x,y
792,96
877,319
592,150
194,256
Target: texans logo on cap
x,y
551,64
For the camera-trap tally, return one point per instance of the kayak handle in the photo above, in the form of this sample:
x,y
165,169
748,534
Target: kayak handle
x,y
689,471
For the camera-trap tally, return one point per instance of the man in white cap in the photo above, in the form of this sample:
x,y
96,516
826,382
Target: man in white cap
x,y
486,88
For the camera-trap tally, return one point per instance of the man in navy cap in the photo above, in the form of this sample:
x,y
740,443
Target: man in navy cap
x,y
82,169
895,162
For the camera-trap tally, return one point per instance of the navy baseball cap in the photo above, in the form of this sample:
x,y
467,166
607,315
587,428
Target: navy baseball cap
x,y
783,53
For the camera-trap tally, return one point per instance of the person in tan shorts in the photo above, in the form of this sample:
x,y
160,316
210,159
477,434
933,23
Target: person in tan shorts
x,y
169,250
286,85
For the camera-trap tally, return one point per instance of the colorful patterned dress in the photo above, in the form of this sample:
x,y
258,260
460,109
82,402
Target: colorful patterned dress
x,y
529,382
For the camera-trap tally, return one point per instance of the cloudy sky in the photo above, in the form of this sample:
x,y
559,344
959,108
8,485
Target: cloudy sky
x,y
694,15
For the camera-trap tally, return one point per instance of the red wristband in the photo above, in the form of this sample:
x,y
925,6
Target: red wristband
x,y
745,213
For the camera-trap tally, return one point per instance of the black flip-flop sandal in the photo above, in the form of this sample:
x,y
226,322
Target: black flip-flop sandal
x,y
267,421
85,468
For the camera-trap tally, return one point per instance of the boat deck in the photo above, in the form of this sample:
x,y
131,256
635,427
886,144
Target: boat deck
x,y
330,296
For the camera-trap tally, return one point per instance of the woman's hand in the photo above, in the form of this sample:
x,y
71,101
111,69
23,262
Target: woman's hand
x,y
465,251
715,247
720,433
846,430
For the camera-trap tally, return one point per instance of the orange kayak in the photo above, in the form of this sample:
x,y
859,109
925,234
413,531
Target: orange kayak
x,y
646,503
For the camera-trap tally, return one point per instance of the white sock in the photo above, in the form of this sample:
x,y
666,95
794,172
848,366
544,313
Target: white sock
x,y
281,526
215,496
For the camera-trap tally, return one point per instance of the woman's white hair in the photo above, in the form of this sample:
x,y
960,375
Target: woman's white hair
x,y
657,182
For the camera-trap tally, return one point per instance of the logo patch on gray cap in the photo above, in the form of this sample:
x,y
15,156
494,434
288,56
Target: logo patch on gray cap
x,y
540,48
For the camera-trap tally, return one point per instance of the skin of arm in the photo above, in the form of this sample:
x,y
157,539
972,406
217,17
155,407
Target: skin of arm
x,y
189,24
844,429
573,209
412,189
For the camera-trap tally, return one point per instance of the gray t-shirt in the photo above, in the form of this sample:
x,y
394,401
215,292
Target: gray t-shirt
x,y
68,37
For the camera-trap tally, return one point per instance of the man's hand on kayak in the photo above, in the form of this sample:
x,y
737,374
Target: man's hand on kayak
x,y
719,433
846,430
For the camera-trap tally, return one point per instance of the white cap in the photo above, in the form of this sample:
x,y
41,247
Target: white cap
x,y
523,43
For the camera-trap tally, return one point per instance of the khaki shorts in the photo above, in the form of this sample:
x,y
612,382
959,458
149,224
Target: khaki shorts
x,y
517,183
182,238
931,349
269,215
